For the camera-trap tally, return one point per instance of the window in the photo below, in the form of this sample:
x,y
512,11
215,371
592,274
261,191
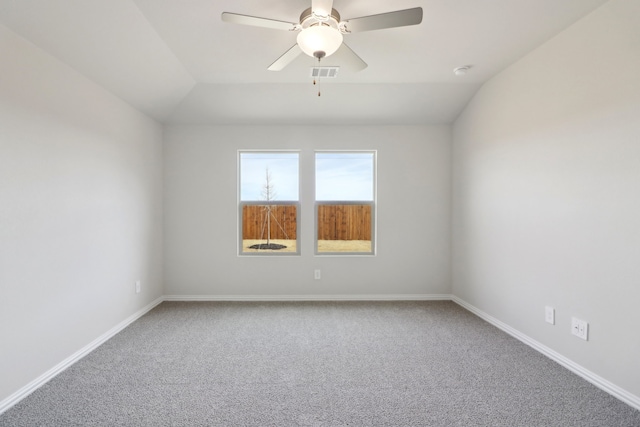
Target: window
x,y
345,202
269,203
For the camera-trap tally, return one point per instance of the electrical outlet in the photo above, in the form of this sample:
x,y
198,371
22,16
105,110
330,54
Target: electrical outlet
x,y
550,315
316,274
580,328
138,286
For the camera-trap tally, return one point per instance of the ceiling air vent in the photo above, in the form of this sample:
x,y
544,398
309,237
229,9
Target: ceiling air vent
x,y
324,72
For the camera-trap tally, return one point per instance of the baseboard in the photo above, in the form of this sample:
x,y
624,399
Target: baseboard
x,y
42,379
598,381
371,297
594,379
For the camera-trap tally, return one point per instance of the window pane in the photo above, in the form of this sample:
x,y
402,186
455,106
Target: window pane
x,y
344,176
268,176
344,228
269,228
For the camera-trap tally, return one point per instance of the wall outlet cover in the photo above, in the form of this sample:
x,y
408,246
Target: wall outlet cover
x,y
580,328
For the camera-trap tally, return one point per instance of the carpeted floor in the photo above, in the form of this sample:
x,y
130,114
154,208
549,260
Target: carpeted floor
x,y
316,364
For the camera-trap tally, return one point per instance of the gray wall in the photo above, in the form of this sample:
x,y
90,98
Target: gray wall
x,y
546,194
201,214
80,212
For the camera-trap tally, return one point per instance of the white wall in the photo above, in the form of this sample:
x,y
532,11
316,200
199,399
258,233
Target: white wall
x,y
546,194
80,212
201,214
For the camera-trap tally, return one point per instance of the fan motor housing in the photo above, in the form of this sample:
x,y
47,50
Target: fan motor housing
x,y
308,19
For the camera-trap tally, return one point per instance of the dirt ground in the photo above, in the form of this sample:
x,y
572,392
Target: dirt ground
x,y
323,245
290,245
344,246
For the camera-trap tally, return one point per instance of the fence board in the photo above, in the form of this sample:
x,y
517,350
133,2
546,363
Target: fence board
x,y
344,222
335,222
283,222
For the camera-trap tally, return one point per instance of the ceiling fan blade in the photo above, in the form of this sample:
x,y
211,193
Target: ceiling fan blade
x,y
399,18
350,59
322,7
285,59
254,21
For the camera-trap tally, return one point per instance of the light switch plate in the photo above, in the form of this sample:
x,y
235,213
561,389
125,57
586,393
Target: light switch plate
x,y
550,315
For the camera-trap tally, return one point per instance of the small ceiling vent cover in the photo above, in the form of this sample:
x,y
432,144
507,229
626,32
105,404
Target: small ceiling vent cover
x,y
324,72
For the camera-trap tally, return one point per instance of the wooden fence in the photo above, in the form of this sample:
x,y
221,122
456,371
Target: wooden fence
x,y
335,222
344,222
283,222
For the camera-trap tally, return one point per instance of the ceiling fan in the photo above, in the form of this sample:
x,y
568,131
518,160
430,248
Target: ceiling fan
x,y
320,31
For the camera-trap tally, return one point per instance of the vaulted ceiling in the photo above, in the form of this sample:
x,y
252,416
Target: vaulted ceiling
x,y
178,62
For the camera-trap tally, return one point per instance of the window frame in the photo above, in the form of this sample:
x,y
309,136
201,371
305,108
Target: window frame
x,y
244,203
372,203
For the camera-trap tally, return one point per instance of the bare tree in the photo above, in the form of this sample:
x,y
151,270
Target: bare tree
x,y
269,194
268,190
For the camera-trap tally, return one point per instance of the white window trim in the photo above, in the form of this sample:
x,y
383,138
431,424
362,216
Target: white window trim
x,y
241,203
373,204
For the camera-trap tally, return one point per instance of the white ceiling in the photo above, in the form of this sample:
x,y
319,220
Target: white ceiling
x,y
176,61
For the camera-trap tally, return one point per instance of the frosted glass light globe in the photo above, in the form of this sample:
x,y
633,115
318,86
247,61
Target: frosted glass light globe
x,y
319,38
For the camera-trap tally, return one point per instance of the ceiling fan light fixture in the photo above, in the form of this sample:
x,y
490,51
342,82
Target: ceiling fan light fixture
x,y
319,38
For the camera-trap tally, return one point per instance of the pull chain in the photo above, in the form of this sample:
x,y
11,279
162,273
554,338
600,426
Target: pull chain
x,y
314,80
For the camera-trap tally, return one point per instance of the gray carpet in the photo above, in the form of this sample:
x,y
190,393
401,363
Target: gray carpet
x,y
316,364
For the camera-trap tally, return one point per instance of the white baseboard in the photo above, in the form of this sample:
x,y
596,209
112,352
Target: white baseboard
x,y
372,297
44,378
594,379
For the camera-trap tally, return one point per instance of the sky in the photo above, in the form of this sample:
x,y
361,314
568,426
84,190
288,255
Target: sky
x,y
283,171
344,176
340,176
